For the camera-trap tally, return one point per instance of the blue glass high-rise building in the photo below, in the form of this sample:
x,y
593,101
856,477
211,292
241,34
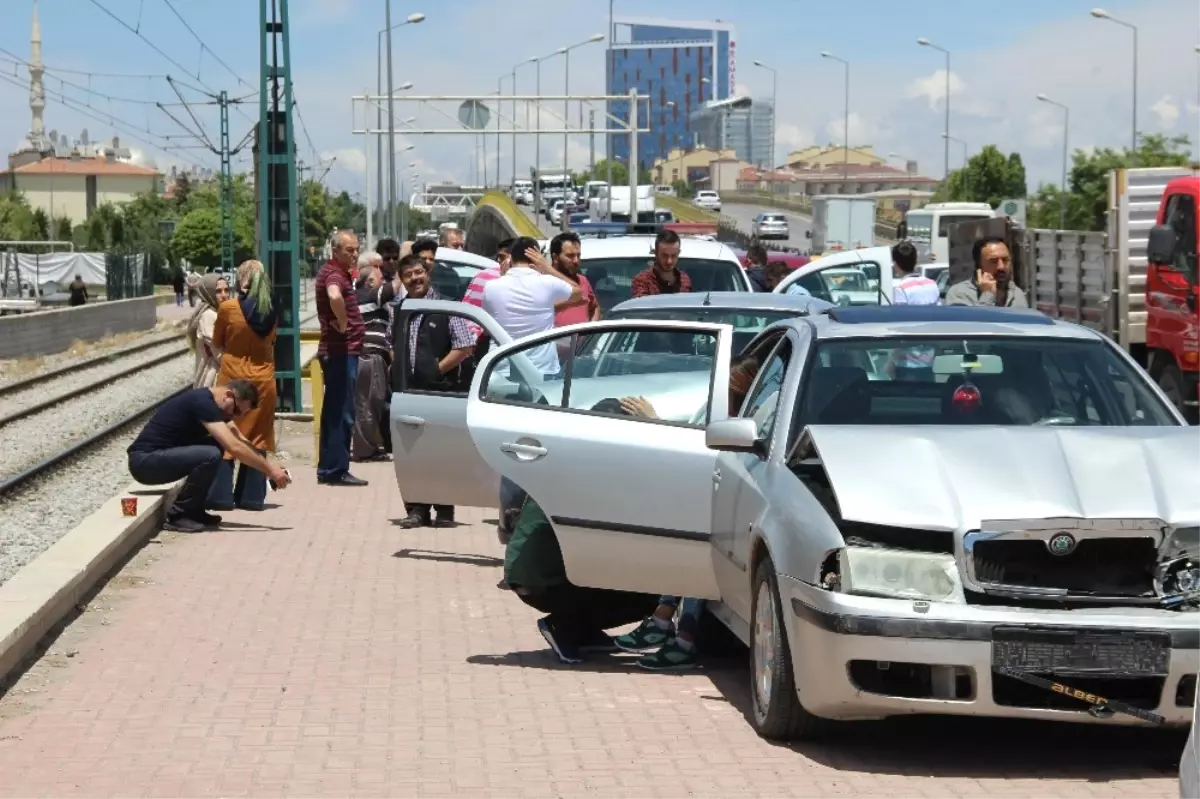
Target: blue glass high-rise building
x,y
679,66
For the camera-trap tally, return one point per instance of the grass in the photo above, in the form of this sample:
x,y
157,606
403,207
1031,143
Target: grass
x,y
684,211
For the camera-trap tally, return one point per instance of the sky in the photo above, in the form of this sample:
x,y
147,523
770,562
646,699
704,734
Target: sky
x,y
1002,56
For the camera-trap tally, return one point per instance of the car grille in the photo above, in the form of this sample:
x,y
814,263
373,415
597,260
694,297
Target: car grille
x,y
1116,567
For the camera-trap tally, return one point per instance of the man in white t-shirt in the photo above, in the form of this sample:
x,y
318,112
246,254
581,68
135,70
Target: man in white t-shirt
x,y
910,287
523,300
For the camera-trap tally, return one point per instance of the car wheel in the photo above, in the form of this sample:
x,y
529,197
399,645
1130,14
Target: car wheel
x,y
777,712
1170,380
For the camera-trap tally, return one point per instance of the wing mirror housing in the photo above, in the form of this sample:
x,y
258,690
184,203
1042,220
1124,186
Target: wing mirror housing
x,y
733,435
1160,245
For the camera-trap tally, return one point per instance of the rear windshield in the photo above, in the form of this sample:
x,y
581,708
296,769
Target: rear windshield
x,y
612,278
774,218
451,280
979,381
746,324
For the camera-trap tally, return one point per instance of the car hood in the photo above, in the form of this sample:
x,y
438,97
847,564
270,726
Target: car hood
x,y
955,478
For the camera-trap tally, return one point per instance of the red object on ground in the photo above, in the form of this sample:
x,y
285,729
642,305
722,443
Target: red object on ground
x,y
129,506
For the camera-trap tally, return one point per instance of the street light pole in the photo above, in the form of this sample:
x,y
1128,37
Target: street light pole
x,y
1100,13
1062,200
945,133
845,120
774,108
413,19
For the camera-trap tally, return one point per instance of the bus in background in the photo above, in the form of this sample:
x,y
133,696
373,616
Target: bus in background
x,y
928,227
553,187
591,189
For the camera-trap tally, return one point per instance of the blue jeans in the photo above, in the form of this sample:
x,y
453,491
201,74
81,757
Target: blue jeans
x,y
689,618
337,415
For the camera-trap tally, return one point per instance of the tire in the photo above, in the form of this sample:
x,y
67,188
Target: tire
x,y
775,708
1172,383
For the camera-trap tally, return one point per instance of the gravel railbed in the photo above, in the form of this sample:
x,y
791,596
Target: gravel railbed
x,y
28,441
12,371
44,510
72,381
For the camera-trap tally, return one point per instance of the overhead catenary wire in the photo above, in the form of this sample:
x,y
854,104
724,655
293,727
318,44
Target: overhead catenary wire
x,y
204,47
123,126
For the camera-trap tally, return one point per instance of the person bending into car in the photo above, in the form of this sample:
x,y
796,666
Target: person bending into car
x,y
439,349
534,570
664,275
663,644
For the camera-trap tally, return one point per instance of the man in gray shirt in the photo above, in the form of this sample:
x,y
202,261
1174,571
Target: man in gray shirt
x,y
993,278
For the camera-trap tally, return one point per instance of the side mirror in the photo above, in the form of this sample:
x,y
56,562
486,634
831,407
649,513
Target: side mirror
x,y
1160,245
733,435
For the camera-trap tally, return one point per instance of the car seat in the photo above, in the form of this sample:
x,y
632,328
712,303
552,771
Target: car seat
x,y
838,395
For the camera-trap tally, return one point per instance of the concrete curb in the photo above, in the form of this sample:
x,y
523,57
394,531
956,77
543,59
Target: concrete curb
x,y
45,592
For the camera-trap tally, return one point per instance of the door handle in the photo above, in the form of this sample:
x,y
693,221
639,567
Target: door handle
x,y
524,452
716,475
411,421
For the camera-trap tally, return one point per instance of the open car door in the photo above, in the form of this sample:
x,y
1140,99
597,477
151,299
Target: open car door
x,y
432,452
627,486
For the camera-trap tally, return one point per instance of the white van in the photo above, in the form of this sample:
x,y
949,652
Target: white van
x,y
522,192
620,203
928,227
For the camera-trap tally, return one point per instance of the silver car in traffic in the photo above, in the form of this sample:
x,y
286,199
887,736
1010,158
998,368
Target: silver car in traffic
x,y
771,226
915,510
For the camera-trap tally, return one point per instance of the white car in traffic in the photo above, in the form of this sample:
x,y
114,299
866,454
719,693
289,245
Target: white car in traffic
x,y
708,200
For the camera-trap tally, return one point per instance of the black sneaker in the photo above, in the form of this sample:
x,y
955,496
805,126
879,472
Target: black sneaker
x,y
445,523
208,519
182,524
599,641
563,647
412,521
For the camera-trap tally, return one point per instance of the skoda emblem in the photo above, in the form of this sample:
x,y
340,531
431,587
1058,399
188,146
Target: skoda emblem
x,y
1061,544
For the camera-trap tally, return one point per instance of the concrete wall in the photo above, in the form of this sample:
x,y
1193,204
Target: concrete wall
x,y
66,195
47,332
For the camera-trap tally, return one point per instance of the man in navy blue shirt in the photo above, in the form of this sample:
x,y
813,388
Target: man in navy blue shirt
x,y
186,438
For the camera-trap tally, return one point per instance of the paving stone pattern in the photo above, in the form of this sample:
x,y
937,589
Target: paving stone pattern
x,y
317,649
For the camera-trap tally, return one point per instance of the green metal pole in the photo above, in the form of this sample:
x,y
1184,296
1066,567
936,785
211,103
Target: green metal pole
x,y
226,184
279,220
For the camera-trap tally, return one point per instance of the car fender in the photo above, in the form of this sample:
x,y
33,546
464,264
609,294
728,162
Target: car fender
x,y
795,527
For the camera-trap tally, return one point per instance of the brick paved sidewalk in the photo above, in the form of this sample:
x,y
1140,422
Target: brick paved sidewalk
x,y
319,650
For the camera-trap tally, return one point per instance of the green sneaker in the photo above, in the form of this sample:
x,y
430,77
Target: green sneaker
x,y
672,657
647,637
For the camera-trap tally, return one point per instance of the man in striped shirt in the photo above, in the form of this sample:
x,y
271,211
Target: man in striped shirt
x,y
474,295
370,440
909,287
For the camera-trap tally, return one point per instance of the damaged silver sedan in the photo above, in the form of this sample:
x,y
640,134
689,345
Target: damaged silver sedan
x,y
958,511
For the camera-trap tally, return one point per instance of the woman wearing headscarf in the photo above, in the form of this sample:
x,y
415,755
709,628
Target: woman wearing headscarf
x,y
213,290
245,332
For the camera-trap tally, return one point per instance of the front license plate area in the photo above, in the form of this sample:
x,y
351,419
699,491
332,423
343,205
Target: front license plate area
x,y
1116,653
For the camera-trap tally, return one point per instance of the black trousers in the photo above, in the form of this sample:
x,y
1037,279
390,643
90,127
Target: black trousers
x,y
423,509
197,463
582,612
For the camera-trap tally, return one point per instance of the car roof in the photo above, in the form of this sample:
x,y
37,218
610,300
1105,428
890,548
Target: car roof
x,y
750,301
638,245
463,257
885,321
881,255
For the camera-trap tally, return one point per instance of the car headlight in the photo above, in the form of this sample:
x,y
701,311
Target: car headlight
x,y
900,574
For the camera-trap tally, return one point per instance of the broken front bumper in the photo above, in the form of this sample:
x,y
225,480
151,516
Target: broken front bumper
x,y
857,657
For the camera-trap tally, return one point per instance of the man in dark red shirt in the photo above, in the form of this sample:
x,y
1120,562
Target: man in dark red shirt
x,y
664,275
342,334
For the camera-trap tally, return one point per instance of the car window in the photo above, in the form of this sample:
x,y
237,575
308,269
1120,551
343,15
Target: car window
x,y
612,278
1008,381
746,323
762,404
671,371
450,279
462,332
947,221
1181,218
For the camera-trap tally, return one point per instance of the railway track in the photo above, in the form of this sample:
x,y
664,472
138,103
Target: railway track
x,y
48,419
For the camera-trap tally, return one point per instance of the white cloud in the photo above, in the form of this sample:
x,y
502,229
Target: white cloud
x,y
934,87
858,129
789,138
1167,112
742,90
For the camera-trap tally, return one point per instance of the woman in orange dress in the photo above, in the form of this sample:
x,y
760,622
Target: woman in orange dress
x,y
245,333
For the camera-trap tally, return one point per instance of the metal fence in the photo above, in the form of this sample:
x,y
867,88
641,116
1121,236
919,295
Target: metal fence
x,y
128,275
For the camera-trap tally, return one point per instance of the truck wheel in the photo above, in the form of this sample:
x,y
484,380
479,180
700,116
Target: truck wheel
x,y
777,712
1171,381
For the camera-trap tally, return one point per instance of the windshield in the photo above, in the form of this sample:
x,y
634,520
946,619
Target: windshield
x,y
920,227
977,381
612,278
947,221
746,323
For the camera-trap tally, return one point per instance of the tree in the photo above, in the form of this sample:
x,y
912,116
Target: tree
x,y
620,173
16,218
197,238
1088,179
63,229
41,225
989,177
182,191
